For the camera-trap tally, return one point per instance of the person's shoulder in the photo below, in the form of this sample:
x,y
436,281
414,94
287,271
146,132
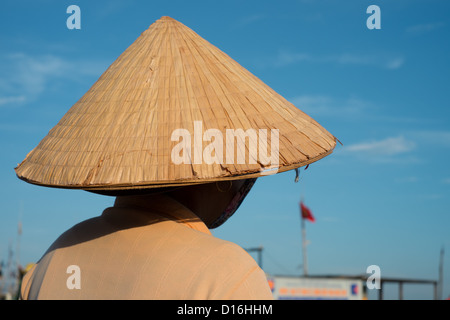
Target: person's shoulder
x,y
233,272
25,284
226,252
80,232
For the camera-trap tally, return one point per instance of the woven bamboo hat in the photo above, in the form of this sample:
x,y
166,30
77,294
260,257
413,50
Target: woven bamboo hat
x,y
158,111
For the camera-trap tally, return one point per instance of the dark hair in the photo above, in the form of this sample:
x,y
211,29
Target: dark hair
x,y
133,192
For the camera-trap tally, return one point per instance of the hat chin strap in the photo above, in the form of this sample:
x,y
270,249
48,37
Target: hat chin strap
x,y
234,204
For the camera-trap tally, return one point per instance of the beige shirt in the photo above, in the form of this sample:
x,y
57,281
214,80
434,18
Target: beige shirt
x,y
158,250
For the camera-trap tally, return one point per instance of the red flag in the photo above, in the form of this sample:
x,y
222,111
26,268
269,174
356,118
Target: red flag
x,y
306,212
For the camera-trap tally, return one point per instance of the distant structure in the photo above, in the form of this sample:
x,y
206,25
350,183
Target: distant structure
x,y
11,271
341,287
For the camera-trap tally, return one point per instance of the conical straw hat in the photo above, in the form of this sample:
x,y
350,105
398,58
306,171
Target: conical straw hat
x,y
158,115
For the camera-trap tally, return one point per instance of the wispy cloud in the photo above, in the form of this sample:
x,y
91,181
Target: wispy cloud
x,y
432,196
25,77
12,100
411,179
386,147
21,128
285,58
419,29
402,149
29,74
390,150
433,138
247,20
322,105
394,63
113,7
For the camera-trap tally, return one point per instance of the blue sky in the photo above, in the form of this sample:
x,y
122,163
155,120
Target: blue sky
x,y
382,198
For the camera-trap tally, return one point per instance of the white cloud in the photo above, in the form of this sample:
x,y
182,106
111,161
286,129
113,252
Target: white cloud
x,y
32,73
327,106
386,147
25,77
432,196
348,58
21,128
247,20
411,179
394,63
424,27
112,7
285,58
414,147
439,138
12,100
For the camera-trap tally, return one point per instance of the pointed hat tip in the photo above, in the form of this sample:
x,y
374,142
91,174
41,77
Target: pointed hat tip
x,y
166,18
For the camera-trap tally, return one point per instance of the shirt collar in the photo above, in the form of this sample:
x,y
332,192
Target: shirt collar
x,y
165,206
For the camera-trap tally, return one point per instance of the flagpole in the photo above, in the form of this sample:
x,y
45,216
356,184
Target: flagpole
x,y
441,274
305,262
